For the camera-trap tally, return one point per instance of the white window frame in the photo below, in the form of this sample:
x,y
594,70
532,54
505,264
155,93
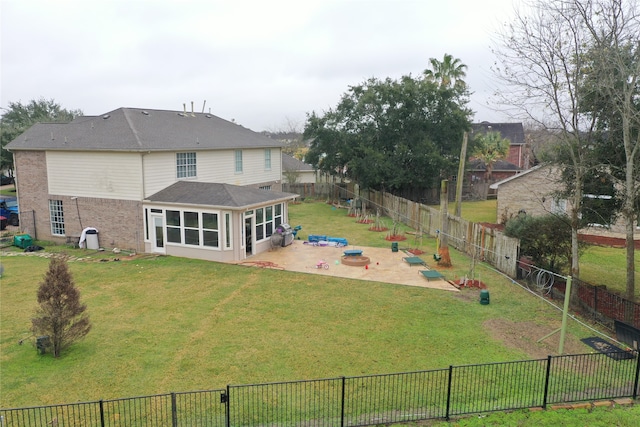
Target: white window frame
x,y
56,216
182,229
186,165
267,159
238,161
268,226
559,206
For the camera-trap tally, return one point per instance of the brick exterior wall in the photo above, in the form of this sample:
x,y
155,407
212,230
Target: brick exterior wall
x,y
531,193
119,222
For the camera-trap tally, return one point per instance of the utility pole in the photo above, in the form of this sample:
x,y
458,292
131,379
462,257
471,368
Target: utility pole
x,y
443,247
461,164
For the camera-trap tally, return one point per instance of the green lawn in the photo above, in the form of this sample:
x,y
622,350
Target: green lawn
x,y
598,265
621,416
171,324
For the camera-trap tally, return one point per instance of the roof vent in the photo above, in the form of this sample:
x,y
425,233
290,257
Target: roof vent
x,y
106,116
146,113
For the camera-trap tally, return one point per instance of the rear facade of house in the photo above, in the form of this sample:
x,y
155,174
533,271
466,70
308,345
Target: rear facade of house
x,y
168,182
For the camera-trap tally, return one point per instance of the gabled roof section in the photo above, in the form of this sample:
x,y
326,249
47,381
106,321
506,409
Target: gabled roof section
x,y
134,129
514,132
495,185
290,163
218,195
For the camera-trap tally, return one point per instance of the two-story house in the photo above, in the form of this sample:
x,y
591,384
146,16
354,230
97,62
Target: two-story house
x,y
168,182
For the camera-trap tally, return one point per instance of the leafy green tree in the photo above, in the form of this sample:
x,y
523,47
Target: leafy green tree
x,y
490,147
60,315
546,239
398,135
19,117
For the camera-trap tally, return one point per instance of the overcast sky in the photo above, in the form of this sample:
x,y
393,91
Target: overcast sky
x,y
265,64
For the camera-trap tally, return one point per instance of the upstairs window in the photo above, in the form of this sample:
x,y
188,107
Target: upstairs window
x,y
238,161
186,165
267,159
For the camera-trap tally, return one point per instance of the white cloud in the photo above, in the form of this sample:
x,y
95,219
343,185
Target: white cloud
x,y
261,63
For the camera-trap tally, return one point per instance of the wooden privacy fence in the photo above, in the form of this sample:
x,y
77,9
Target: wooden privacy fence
x,y
476,240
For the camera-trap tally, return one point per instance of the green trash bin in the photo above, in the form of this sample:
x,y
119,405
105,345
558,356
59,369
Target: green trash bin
x,y
394,246
22,241
484,297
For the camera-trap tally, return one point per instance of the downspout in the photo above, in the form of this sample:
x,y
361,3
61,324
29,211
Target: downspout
x,y
141,224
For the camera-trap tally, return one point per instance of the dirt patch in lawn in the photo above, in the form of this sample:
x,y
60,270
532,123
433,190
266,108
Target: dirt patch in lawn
x,y
524,336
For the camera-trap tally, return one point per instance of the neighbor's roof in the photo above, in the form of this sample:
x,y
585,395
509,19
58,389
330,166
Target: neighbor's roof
x,y
514,132
290,163
135,129
498,166
218,195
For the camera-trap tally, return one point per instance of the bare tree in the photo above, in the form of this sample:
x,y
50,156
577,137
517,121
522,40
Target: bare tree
x,y
539,59
60,315
613,87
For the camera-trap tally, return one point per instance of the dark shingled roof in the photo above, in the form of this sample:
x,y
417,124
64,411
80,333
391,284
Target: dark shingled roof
x,y
498,166
134,129
219,195
290,163
514,132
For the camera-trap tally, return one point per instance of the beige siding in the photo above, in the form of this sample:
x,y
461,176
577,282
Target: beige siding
x,y
159,171
98,175
532,193
212,166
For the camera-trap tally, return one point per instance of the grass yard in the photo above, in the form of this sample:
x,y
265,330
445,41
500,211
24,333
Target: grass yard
x,y
165,324
621,416
598,265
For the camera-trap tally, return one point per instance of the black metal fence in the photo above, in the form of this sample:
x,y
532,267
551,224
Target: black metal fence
x,y
363,400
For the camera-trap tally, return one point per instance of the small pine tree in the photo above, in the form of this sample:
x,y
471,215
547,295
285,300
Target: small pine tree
x,y
60,315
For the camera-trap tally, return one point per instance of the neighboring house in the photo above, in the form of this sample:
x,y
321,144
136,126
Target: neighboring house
x,y
533,192
476,182
295,171
477,171
519,151
530,192
156,181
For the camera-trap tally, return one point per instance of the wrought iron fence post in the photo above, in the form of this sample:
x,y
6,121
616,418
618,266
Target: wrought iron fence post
x,y
635,382
227,411
546,383
342,404
101,405
446,416
174,410
595,303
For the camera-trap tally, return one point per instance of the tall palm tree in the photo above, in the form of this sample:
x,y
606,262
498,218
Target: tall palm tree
x,y
451,71
490,147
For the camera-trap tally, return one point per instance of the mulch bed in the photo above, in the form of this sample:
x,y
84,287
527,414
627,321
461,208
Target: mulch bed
x,y
396,238
475,284
378,229
415,251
